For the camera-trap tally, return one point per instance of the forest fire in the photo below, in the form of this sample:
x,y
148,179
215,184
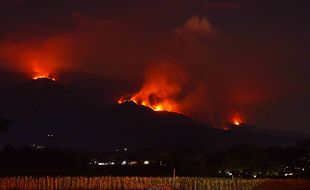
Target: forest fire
x,y
42,73
161,89
164,105
167,88
236,120
36,77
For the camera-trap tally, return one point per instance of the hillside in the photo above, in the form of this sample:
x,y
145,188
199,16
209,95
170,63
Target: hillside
x,y
46,112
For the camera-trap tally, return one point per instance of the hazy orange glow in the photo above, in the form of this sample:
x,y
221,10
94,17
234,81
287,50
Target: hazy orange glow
x,y
36,58
236,120
41,71
237,123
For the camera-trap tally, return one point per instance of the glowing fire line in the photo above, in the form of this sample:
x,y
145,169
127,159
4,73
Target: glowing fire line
x,y
164,106
43,77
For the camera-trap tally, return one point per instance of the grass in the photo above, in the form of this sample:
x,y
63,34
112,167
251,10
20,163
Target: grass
x,y
125,183
148,183
292,184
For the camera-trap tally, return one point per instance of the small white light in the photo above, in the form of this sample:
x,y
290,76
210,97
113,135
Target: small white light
x,y
146,162
124,162
102,163
288,174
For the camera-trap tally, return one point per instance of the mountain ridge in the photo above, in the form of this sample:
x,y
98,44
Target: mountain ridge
x,y
50,113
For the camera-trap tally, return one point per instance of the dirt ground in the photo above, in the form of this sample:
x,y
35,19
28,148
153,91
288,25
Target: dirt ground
x,y
284,185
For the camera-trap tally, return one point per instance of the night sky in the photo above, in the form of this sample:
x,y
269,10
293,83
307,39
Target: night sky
x,y
227,57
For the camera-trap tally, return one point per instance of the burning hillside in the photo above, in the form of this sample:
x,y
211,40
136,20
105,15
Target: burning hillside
x,y
162,89
44,76
42,71
167,88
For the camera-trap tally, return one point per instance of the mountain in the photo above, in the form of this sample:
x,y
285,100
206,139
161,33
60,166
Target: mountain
x,y
46,112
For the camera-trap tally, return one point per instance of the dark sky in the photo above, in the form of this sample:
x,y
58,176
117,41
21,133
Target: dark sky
x,y
246,56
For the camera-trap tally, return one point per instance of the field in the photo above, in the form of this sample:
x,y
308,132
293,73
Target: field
x,y
147,183
284,185
130,183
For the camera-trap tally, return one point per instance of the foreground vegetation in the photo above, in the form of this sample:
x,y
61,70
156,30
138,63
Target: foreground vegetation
x,y
287,184
130,183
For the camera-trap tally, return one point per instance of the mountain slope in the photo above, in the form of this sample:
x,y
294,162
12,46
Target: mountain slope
x,y
50,113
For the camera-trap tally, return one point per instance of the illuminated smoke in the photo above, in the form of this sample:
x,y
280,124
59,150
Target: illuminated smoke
x,y
162,89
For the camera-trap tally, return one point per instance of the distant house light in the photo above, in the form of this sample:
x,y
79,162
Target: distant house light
x,y
124,162
146,162
288,174
103,163
228,172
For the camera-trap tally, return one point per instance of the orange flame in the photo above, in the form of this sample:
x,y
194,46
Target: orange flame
x,y
161,89
37,58
156,103
40,73
43,76
167,88
237,120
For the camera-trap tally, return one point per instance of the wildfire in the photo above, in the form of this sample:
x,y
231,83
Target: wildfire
x,y
42,72
160,90
160,106
43,77
167,88
236,120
